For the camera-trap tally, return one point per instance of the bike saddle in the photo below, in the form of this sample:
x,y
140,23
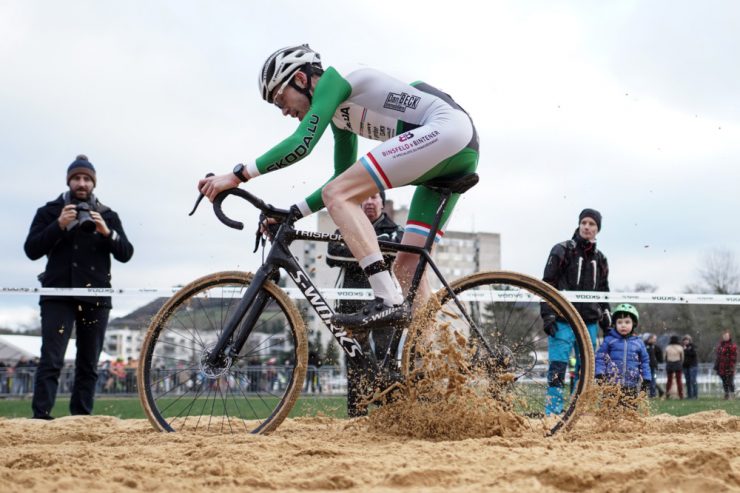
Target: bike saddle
x,y
445,185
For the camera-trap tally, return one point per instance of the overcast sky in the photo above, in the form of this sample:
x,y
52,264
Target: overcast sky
x,y
628,107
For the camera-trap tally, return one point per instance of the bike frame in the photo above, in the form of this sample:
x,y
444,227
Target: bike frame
x,y
254,299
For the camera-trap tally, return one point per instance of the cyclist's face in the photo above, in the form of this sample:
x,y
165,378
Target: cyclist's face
x,y
588,229
373,207
292,102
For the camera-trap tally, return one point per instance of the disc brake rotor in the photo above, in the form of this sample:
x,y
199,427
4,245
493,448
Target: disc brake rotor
x,y
216,370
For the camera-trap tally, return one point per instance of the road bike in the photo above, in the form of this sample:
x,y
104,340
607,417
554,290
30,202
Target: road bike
x,y
228,352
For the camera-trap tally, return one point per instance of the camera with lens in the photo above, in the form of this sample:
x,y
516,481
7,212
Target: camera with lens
x,y
84,220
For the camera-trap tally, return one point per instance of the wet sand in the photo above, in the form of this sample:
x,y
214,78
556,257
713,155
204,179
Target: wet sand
x,y
700,452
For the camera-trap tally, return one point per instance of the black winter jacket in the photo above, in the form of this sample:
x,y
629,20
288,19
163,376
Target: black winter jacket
x,y
656,355
352,276
577,265
690,358
76,259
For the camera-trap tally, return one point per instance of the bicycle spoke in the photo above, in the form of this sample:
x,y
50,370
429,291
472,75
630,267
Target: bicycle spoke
x,y
166,343
504,345
176,386
261,346
188,387
236,404
194,332
189,406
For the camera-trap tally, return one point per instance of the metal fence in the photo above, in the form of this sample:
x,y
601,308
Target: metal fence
x,y
324,380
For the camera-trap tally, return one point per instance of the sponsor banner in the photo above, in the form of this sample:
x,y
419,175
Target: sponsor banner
x,y
89,291
669,298
483,295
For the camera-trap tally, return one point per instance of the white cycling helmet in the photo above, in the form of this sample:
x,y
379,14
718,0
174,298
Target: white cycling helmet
x,y
280,67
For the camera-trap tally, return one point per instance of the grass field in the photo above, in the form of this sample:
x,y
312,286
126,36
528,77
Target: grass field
x,y
130,408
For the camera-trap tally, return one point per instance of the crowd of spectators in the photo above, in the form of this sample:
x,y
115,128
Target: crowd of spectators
x,y
681,364
17,377
119,376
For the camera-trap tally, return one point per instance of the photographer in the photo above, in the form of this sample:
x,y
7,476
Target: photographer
x,y
78,235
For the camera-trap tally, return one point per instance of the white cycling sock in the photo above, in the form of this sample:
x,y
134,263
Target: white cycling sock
x,y
384,287
382,282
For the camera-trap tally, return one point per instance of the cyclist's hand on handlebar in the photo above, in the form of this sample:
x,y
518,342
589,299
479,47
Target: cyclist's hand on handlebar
x,y
213,185
265,226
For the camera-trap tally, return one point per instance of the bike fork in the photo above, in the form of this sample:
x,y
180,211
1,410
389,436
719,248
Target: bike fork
x,y
244,316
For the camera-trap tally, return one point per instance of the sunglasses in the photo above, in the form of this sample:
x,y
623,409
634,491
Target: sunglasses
x,y
279,93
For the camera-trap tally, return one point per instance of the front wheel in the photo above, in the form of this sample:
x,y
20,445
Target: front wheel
x,y
253,391
501,344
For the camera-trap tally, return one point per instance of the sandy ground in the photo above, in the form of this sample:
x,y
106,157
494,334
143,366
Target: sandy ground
x,y
700,452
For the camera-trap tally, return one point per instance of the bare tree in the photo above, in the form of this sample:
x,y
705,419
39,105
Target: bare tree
x,y
719,272
645,287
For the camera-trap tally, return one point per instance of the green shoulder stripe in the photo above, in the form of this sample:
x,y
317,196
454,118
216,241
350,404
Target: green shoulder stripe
x,y
345,155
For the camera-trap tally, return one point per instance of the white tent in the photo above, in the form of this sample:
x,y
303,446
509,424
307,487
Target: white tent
x,y
12,347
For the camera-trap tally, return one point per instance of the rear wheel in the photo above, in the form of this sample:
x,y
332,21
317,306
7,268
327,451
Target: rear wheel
x,y
504,348
253,391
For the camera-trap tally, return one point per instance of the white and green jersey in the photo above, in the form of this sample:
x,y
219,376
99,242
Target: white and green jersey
x,y
419,126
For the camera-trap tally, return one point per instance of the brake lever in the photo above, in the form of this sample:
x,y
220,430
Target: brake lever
x,y
257,238
258,234
200,197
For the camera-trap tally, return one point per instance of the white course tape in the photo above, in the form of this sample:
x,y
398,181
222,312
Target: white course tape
x,y
362,294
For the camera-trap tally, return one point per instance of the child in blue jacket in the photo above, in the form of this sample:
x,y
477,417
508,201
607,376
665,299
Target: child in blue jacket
x,y
622,358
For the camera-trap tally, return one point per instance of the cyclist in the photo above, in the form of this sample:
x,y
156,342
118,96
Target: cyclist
x,y
424,134
574,265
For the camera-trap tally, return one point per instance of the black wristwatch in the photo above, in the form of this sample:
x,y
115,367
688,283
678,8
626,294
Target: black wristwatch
x,y
239,172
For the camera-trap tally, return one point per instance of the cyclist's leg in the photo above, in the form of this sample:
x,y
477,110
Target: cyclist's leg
x,y
399,161
421,213
342,197
405,265
558,354
423,209
396,162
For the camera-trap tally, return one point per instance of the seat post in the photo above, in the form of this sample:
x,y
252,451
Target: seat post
x,y
421,266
